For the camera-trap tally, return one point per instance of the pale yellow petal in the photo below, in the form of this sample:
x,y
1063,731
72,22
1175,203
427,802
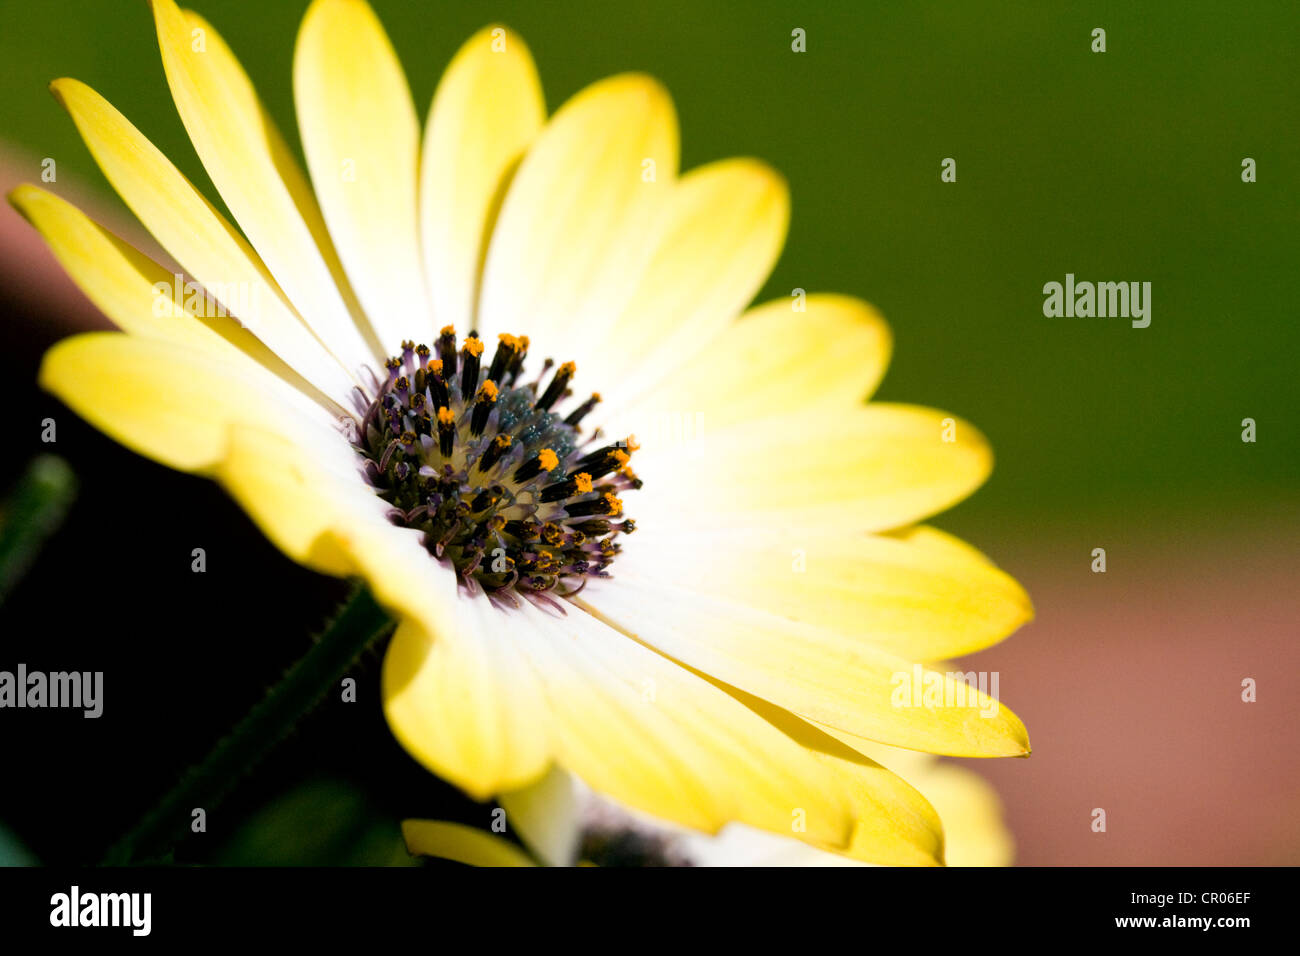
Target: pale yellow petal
x,y
125,284
487,109
465,702
942,547
306,511
258,177
461,843
579,219
818,674
362,142
893,823
775,360
175,404
139,295
277,454
198,237
726,223
898,594
975,832
547,815
872,468
630,723
657,738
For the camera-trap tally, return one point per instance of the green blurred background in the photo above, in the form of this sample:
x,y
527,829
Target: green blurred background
x,y
1123,165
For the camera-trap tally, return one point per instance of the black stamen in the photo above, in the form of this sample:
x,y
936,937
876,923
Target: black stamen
x,y
577,484
583,410
495,450
544,460
486,498
483,405
446,431
447,351
516,365
438,385
469,356
606,504
507,345
558,384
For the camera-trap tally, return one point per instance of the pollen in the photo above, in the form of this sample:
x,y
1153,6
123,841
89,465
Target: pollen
x,y
503,481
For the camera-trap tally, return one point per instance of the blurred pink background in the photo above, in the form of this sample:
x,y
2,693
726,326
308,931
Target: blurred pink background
x,y
1130,684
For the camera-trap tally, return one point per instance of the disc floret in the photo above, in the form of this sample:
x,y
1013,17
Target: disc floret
x,y
504,489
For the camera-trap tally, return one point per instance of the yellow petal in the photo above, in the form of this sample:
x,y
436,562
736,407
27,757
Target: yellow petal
x,y
465,703
176,405
305,511
974,831
942,547
139,295
726,224
547,816
199,238
577,225
893,823
973,827
461,843
277,454
773,360
258,177
361,138
818,674
867,469
487,109
655,737
628,722
891,592
118,278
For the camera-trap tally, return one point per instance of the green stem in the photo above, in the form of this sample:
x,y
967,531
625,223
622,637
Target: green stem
x,y
33,512
303,686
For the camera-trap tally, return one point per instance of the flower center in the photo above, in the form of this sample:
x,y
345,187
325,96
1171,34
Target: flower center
x,y
503,488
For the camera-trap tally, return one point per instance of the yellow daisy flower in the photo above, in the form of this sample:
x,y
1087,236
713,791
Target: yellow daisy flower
x,y
373,411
